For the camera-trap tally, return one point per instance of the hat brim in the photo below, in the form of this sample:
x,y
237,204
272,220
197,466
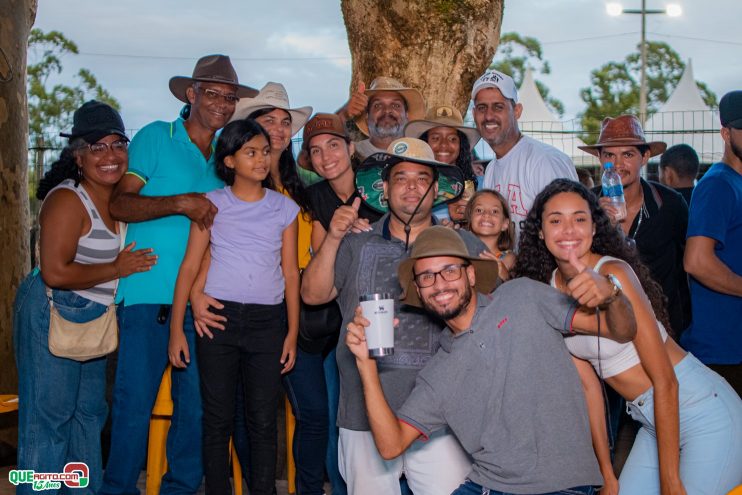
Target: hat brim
x,y
417,128
94,137
299,116
486,274
655,147
415,106
179,84
370,180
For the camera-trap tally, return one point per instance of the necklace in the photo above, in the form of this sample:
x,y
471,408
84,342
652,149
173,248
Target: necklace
x,y
633,232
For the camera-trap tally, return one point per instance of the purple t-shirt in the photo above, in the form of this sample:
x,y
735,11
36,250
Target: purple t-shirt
x,y
246,247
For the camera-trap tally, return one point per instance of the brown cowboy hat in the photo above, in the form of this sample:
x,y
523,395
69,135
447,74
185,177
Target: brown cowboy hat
x,y
213,69
442,116
443,241
625,130
415,101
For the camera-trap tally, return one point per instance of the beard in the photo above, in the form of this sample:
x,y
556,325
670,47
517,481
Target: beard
x,y
391,128
452,311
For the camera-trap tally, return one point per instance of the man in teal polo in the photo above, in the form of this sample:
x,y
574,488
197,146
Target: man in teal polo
x,y
171,165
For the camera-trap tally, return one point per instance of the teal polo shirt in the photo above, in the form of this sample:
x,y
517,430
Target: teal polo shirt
x,y
164,158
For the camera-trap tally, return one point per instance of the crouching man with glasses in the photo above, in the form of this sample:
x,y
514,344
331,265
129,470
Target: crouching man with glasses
x,y
503,380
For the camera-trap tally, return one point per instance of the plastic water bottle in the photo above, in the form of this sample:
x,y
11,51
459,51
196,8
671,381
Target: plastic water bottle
x,y
613,190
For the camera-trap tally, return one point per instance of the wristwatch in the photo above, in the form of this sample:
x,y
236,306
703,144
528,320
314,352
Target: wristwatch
x,y
617,288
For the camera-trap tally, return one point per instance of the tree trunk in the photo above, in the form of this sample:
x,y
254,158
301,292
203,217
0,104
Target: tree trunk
x,y
16,19
439,47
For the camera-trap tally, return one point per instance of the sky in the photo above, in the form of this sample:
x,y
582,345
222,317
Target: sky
x,y
134,46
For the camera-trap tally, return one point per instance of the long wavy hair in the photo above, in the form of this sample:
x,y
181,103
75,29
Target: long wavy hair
x,y
536,262
464,159
287,170
65,167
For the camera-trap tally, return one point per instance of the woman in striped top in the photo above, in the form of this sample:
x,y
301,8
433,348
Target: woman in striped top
x,y
62,406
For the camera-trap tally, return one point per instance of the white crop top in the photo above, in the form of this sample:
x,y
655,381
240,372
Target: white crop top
x,y
615,358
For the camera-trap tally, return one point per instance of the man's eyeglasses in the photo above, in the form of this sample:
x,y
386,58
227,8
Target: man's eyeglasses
x,y
213,96
99,149
449,273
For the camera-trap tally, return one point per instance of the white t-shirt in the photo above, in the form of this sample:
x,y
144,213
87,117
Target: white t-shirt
x,y
524,172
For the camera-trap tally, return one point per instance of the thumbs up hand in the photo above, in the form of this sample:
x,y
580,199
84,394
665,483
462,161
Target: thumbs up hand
x,y
358,101
343,219
589,288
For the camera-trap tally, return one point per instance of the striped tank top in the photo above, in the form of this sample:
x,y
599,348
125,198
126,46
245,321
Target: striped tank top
x,y
99,245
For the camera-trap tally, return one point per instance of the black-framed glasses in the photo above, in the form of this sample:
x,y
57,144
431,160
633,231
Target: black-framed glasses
x,y
213,95
99,149
448,273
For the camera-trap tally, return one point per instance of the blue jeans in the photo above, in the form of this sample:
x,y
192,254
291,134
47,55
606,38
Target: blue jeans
x,y
62,403
142,359
710,435
471,488
332,380
306,390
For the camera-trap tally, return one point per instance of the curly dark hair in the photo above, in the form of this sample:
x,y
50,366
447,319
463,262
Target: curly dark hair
x,y
287,170
536,262
65,167
464,159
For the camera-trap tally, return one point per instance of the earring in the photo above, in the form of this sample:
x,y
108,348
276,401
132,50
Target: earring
x,y
541,235
79,174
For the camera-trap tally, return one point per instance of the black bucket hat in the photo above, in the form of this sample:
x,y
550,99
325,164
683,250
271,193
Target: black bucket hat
x,y
95,120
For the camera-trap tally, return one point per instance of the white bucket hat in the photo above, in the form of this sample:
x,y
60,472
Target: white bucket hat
x,y
272,95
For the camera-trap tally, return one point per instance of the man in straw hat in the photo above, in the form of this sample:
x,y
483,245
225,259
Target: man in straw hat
x,y
656,216
171,166
522,166
381,112
404,183
503,381
713,255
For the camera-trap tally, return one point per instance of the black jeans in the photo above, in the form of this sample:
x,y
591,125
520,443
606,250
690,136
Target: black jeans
x,y
250,346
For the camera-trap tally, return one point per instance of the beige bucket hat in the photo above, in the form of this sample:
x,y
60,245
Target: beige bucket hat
x,y
442,116
273,95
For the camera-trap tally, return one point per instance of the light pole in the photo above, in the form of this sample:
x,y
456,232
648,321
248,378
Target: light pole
x,y
616,9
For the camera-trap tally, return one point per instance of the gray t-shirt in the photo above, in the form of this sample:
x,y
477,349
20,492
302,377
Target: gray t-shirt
x,y
367,263
508,390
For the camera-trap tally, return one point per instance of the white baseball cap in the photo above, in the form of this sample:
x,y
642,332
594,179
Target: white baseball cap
x,y
496,79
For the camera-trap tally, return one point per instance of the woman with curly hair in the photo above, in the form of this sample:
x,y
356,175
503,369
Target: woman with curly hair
x,y
691,435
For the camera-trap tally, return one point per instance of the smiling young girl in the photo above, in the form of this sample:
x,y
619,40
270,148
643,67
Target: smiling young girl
x,y
254,275
489,219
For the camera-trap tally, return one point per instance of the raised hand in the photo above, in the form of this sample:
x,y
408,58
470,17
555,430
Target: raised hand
x,y
129,261
613,214
358,101
344,219
589,288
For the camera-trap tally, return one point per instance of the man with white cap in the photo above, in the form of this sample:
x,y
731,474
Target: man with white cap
x,y
171,166
405,183
381,112
522,166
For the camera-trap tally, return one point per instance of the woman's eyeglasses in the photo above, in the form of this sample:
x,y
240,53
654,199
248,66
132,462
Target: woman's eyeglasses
x,y
98,149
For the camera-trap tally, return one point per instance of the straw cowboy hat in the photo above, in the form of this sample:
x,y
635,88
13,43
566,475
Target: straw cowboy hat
x,y
213,69
438,241
625,130
374,169
413,98
442,116
273,95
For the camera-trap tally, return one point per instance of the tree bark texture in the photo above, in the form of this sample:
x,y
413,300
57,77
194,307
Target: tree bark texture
x,y
16,19
439,47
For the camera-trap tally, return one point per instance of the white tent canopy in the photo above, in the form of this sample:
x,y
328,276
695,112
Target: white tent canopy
x,y
685,118
537,121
